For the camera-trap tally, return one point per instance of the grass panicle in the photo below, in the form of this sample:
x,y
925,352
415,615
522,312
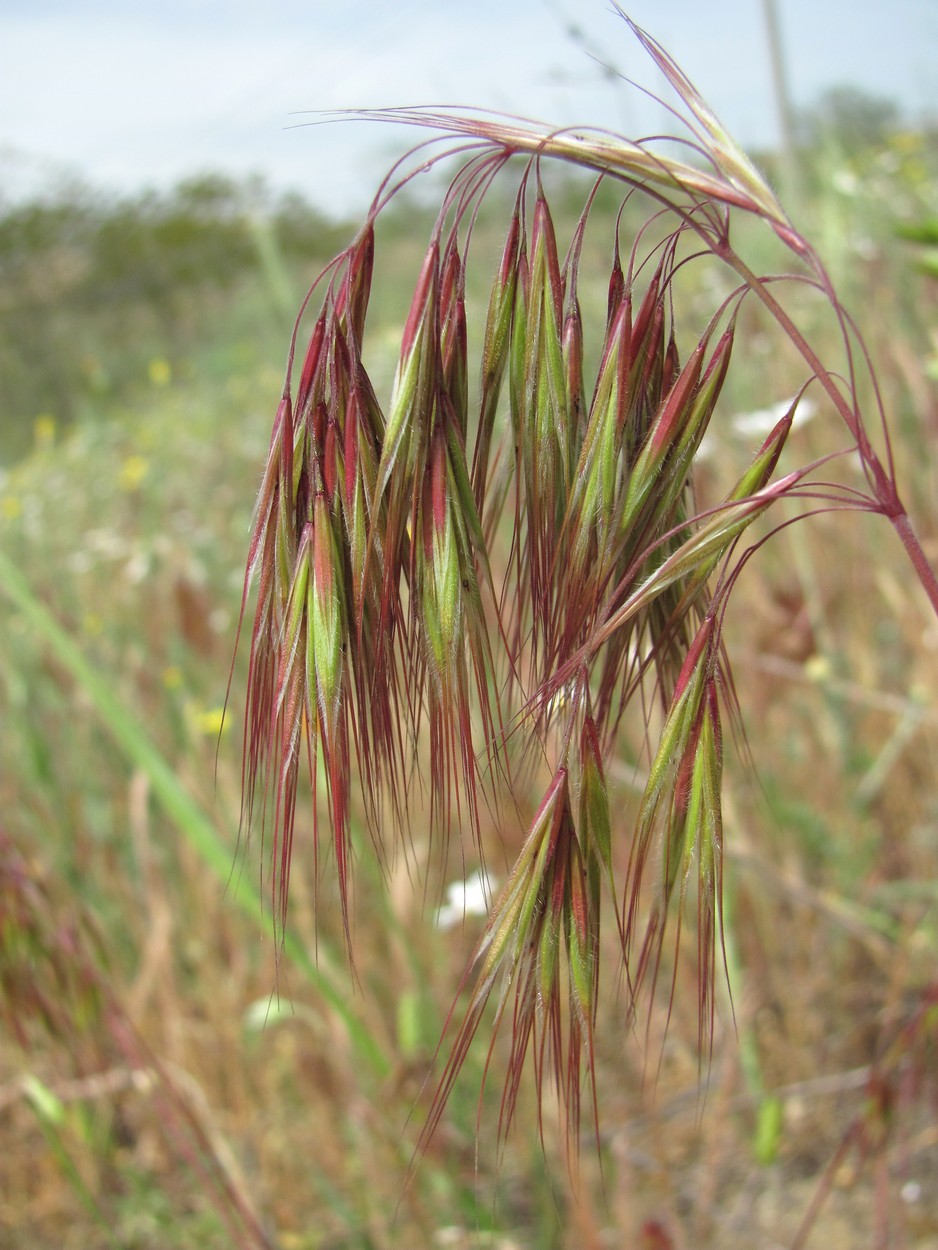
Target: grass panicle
x,y
510,553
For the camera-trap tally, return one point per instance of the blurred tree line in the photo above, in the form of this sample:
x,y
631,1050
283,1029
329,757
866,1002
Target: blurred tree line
x,y
94,289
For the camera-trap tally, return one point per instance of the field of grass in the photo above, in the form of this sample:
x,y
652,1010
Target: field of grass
x,y
164,1082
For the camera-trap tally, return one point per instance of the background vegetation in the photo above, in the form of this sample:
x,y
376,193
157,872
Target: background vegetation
x,y
162,1082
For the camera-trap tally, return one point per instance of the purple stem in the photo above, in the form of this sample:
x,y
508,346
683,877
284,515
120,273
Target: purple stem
x,y
923,570
884,486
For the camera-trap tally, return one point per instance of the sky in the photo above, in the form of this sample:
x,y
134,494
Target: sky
x,y
124,94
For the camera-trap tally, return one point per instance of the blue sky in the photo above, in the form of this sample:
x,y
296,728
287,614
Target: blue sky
x,y
127,94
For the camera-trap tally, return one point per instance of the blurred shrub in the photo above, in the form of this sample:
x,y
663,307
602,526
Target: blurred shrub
x,y
852,118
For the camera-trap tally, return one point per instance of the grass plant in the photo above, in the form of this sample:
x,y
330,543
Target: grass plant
x,y
458,597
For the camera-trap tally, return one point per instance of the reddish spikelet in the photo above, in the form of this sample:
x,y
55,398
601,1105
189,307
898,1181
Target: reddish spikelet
x,y
647,382
495,353
450,620
297,692
440,607
326,674
352,300
743,185
617,289
597,482
311,362
452,333
757,476
594,820
572,348
645,424
540,944
681,804
542,417
289,717
270,558
545,260
407,430
671,423
652,509
423,307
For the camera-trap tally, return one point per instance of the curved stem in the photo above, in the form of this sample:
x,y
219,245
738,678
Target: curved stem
x,y
884,486
882,482
923,570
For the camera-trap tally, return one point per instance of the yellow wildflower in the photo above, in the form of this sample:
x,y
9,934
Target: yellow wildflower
x,y
44,430
160,372
132,472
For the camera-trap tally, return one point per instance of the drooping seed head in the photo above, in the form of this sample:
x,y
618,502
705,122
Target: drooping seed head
x,y
444,590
